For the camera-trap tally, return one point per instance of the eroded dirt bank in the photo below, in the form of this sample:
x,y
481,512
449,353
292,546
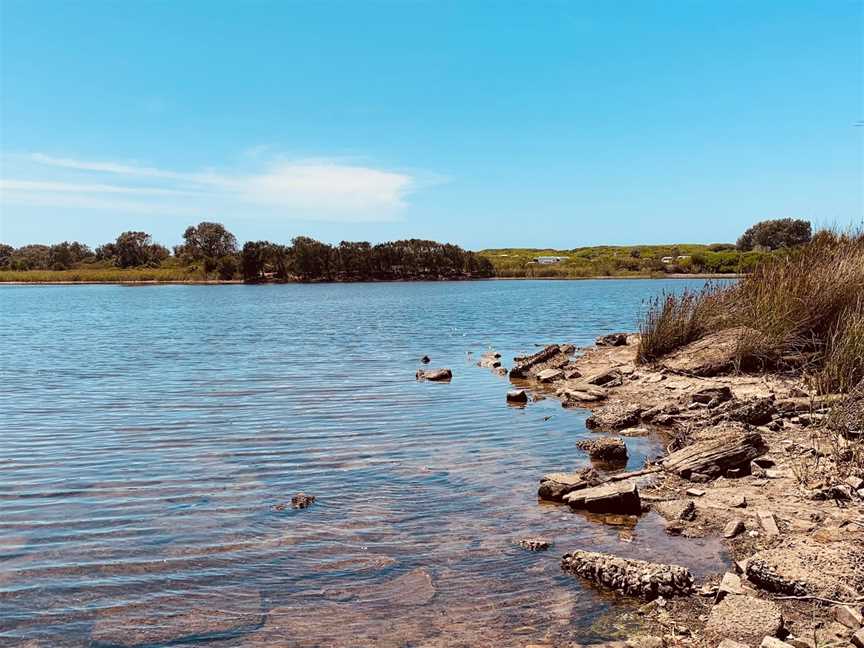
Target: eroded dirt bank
x,y
755,459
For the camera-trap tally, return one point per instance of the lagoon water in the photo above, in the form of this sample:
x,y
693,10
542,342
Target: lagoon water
x,y
149,432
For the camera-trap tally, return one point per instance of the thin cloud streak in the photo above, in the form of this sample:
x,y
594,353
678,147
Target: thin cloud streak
x,y
306,189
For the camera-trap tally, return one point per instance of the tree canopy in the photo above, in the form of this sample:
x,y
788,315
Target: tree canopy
x,y
773,234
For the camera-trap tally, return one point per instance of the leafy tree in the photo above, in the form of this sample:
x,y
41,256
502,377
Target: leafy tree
x,y
312,259
134,249
6,252
227,267
65,255
207,242
773,234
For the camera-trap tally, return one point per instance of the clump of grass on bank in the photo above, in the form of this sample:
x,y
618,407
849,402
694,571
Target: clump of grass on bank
x,y
804,304
100,275
675,320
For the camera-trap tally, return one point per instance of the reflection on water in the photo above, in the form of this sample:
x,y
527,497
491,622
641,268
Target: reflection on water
x,y
149,433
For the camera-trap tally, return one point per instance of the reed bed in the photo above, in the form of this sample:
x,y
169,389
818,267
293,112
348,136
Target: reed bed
x,y
107,275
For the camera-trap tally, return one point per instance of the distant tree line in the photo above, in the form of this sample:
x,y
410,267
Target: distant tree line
x,y
212,249
309,260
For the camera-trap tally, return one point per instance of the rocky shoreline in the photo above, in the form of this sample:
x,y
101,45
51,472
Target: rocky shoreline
x,y
749,459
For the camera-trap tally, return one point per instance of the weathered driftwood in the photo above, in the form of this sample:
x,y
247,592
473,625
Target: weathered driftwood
x,y
632,577
611,497
714,456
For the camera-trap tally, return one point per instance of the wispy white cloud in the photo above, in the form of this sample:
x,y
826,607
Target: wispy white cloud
x,y
316,189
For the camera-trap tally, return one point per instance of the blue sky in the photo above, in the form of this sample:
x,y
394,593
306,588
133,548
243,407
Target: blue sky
x,y
487,124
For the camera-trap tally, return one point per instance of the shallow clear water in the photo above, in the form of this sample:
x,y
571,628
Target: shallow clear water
x,y
148,432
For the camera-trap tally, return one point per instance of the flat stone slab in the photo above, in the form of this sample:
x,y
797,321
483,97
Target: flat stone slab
x,y
180,619
612,497
550,375
744,618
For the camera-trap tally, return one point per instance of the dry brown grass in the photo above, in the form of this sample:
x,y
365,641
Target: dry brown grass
x,y
806,306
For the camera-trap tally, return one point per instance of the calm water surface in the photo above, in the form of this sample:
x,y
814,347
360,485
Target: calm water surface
x,y
148,432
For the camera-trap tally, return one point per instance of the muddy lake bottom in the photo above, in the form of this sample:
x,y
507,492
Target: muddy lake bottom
x,y
150,434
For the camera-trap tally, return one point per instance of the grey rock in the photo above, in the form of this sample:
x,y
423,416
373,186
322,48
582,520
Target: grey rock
x,y
631,577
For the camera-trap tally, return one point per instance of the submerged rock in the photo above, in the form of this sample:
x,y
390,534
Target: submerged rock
x,y
631,577
180,619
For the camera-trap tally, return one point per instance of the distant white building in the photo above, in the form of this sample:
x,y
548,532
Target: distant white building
x,y
669,259
549,260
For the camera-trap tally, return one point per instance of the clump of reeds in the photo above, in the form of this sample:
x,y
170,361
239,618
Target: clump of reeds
x,y
804,307
671,321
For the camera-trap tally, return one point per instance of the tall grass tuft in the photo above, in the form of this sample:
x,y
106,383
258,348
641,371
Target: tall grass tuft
x,y
671,321
805,305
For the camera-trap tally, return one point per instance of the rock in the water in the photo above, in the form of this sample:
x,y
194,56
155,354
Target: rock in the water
x,y
615,416
612,497
555,486
610,449
716,455
631,577
553,356
613,339
535,544
181,619
437,375
517,396
425,359
743,618
712,355
302,501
